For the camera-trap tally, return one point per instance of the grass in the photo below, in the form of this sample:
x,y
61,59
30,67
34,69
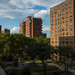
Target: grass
x,y
5,64
41,69
14,72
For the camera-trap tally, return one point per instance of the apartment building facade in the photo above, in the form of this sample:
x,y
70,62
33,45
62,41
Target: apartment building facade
x,y
0,28
31,27
62,24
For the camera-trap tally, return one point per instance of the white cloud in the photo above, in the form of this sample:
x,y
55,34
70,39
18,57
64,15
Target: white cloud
x,y
46,28
21,8
15,30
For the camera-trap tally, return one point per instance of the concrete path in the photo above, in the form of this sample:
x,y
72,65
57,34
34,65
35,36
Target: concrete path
x,y
2,72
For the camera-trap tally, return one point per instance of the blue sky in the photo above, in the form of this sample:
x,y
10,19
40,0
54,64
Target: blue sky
x,y
12,12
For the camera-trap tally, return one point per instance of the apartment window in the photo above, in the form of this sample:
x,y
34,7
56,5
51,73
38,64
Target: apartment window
x,y
62,9
71,42
67,38
55,12
66,29
66,24
55,41
66,8
70,6
67,33
67,42
63,38
67,20
62,29
66,3
63,21
63,5
63,34
70,15
63,42
71,29
70,2
71,33
67,16
52,42
63,17
63,25
71,10
66,12
52,9
70,24
63,13
70,38
58,11
71,19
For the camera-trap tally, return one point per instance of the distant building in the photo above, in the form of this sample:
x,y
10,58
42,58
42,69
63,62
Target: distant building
x,y
23,28
32,27
0,28
6,31
62,24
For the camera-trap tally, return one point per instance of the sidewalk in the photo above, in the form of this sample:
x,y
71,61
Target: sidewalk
x,y
2,71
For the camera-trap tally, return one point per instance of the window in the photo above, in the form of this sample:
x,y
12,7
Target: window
x,y
71,42
71,10
70,38
71,6
66,3
71,19
63,17
70,15
62,9
63,34
66,24
67,33
52,9
66,12
63,21
63,38
71,29
70,2
66,8
67,20
62,29
66,16
66,29
71,33
63,13
52,42
63,42
67,38
70,24
63,5
55,41
67,42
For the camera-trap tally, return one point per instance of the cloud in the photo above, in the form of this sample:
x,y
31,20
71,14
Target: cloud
x,y
21,8
15,30
46,28
41,13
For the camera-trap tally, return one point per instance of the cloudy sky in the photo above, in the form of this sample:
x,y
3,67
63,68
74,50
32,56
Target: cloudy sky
x,y
12,12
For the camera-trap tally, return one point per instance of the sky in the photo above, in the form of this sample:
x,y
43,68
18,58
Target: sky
x,y
12,12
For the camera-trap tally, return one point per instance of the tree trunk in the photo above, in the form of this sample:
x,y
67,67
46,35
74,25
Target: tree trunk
x,y
44,65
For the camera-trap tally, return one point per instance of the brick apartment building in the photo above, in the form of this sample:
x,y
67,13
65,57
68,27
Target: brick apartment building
x,y
62,24
0,28
31,27
6,31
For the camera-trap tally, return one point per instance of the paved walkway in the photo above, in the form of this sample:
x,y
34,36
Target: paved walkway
x,y
61,67
2,72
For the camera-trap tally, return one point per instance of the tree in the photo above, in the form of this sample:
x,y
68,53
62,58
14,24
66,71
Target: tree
x,y
38,48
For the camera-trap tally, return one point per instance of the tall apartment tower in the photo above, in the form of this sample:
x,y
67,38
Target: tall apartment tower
x,y
62,24
23,27
0,28
32,27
